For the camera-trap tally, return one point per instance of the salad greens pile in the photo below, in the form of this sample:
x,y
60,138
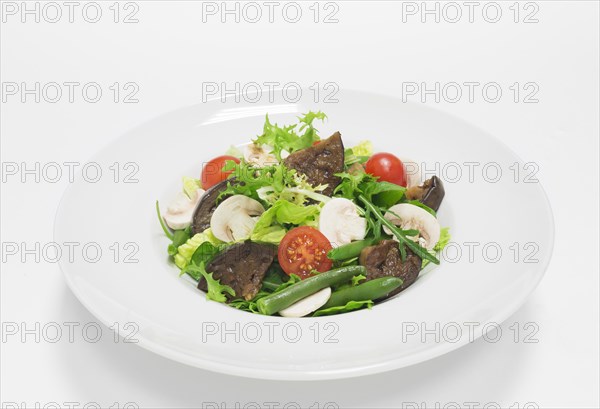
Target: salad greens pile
x,y
290,201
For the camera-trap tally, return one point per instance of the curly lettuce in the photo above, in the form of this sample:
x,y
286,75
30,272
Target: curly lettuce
x,y
286,139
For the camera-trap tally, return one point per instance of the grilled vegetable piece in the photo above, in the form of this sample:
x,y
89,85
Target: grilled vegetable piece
x,y
320,162
241,266
207,206
430,193
383,260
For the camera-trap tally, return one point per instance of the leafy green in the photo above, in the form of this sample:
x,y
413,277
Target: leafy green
x,y
358,154
162,223
235,152
422,206
251,306
190,185
440,245
186,250
357,279
364,148
350,306
205,252
249,179
270,226
382,193
444,239
286,138
216,290
402,236
179,238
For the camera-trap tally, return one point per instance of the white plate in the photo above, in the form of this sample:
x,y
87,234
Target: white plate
x,y
174,319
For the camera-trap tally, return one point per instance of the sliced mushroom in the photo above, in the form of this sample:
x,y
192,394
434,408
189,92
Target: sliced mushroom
x,y
234,218
412,171
411,217
340,223
259,155
307,305
180,212
430,193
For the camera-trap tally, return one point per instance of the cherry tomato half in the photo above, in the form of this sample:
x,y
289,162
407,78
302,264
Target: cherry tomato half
x,y
212,171
387,167
302,250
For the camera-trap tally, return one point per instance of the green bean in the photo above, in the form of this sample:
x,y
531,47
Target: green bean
x,y
371,290
276,302
349,250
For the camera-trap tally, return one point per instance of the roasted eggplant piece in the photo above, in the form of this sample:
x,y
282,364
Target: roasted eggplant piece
x,y
383,260
207,206
430,193
241,266
320,162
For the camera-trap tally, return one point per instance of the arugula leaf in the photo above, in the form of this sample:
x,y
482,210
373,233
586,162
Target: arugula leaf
x,y
179,238
350,306
216,290
286,138
162,222
205,252
403,239
422,206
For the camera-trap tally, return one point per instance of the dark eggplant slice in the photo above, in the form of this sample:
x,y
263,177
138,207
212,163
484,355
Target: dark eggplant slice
x,y
241,266
320,163
430,193
207,206
383,260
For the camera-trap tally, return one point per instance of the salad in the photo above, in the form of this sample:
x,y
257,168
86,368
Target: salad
x,y
295,225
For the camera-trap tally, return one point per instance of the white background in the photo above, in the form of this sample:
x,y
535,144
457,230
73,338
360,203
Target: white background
x,y
170,52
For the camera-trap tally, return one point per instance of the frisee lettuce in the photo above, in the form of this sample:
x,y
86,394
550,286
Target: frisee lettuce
x,y
286,139
215,290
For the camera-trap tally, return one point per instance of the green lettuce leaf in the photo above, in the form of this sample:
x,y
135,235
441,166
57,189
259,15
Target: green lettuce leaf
x,y
190,185
186,250
270,225
364,148
350,306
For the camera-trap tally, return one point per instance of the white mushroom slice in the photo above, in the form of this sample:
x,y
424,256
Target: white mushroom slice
x,y
259,155
413,172
411,217
180,212
234,219
340,222
307,305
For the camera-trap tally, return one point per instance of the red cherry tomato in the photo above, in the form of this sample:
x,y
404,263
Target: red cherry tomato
x,y
387,167
302,250
212,171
